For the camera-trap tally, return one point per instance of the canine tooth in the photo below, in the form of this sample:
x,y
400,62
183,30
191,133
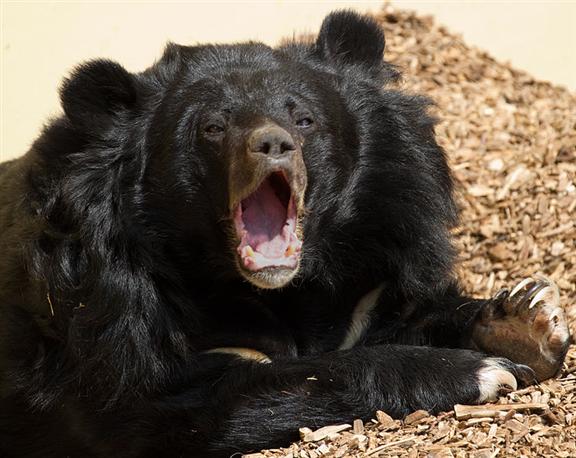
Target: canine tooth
x,y
290,250
249,251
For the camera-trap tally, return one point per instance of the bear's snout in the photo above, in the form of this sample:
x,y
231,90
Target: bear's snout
x,y
271,140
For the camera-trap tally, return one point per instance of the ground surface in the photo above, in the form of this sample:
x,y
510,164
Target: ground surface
x,y
512,143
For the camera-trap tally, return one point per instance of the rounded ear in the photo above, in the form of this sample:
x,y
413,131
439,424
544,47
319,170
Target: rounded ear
x,y
96,92
346,37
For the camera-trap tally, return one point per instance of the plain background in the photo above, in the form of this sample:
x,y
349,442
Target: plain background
x,y
42,41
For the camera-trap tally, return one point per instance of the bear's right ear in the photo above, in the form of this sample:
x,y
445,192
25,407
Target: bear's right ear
x,y
348,38
96,92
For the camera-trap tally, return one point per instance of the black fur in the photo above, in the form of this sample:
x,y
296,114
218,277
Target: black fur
x,y
117,272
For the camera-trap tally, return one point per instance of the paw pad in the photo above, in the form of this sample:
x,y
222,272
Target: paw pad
x,y
526,325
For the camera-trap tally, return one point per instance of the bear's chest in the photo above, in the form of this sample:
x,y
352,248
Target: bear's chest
x,y
289,324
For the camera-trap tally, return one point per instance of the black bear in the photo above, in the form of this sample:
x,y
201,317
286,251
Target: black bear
x,y
198,259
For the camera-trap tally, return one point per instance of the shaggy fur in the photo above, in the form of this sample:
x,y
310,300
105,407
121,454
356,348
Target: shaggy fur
x,y
117,273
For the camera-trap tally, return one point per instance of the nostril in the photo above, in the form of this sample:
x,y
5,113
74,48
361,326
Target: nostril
x,y
264,148
287,146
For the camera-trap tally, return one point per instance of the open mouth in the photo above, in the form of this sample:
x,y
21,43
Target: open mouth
x,y
265,223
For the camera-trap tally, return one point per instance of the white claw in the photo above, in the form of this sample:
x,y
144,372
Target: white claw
x,y
521,285
550,288
540,296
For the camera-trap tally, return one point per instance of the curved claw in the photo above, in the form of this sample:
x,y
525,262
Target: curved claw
x,y
525,375
521,285
501,296
552,289
532,292
541,295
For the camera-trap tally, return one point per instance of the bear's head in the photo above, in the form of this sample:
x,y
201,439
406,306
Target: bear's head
x,y
270,162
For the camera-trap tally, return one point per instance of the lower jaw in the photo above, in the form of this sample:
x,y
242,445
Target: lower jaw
x,y
258,262
270,277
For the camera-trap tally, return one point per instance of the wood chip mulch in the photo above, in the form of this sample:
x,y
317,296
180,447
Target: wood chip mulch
x,y
512,144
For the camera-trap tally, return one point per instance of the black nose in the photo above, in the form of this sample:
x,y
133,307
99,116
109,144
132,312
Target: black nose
x,y
271,140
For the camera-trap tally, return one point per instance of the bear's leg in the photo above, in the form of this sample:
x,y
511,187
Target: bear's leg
x,y
229,405
248,406
526,325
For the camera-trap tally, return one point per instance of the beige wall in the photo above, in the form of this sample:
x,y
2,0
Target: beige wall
x,y
40,42
539,37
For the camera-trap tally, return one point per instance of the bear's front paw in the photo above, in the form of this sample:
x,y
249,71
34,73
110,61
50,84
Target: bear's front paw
x,y
526,326
499,376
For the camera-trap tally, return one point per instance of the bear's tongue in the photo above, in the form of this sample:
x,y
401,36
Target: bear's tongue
x,y
266,224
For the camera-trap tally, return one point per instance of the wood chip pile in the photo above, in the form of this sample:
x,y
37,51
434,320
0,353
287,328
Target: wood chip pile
x,y
512,143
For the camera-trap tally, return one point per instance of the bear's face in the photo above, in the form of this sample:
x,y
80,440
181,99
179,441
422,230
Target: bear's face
x,y
259,136
248,125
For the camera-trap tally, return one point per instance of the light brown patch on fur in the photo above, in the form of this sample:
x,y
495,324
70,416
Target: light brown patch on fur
x,y
244,353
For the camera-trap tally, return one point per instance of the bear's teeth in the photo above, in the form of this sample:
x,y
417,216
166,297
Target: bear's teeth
x,y
249,251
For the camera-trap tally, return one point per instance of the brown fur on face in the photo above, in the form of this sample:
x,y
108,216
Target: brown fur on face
x,y
268,149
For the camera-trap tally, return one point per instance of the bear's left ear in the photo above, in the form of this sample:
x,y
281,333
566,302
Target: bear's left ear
x,y
346,37
96,92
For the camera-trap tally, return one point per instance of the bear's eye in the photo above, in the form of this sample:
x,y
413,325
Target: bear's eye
x,y
304,122
214,129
